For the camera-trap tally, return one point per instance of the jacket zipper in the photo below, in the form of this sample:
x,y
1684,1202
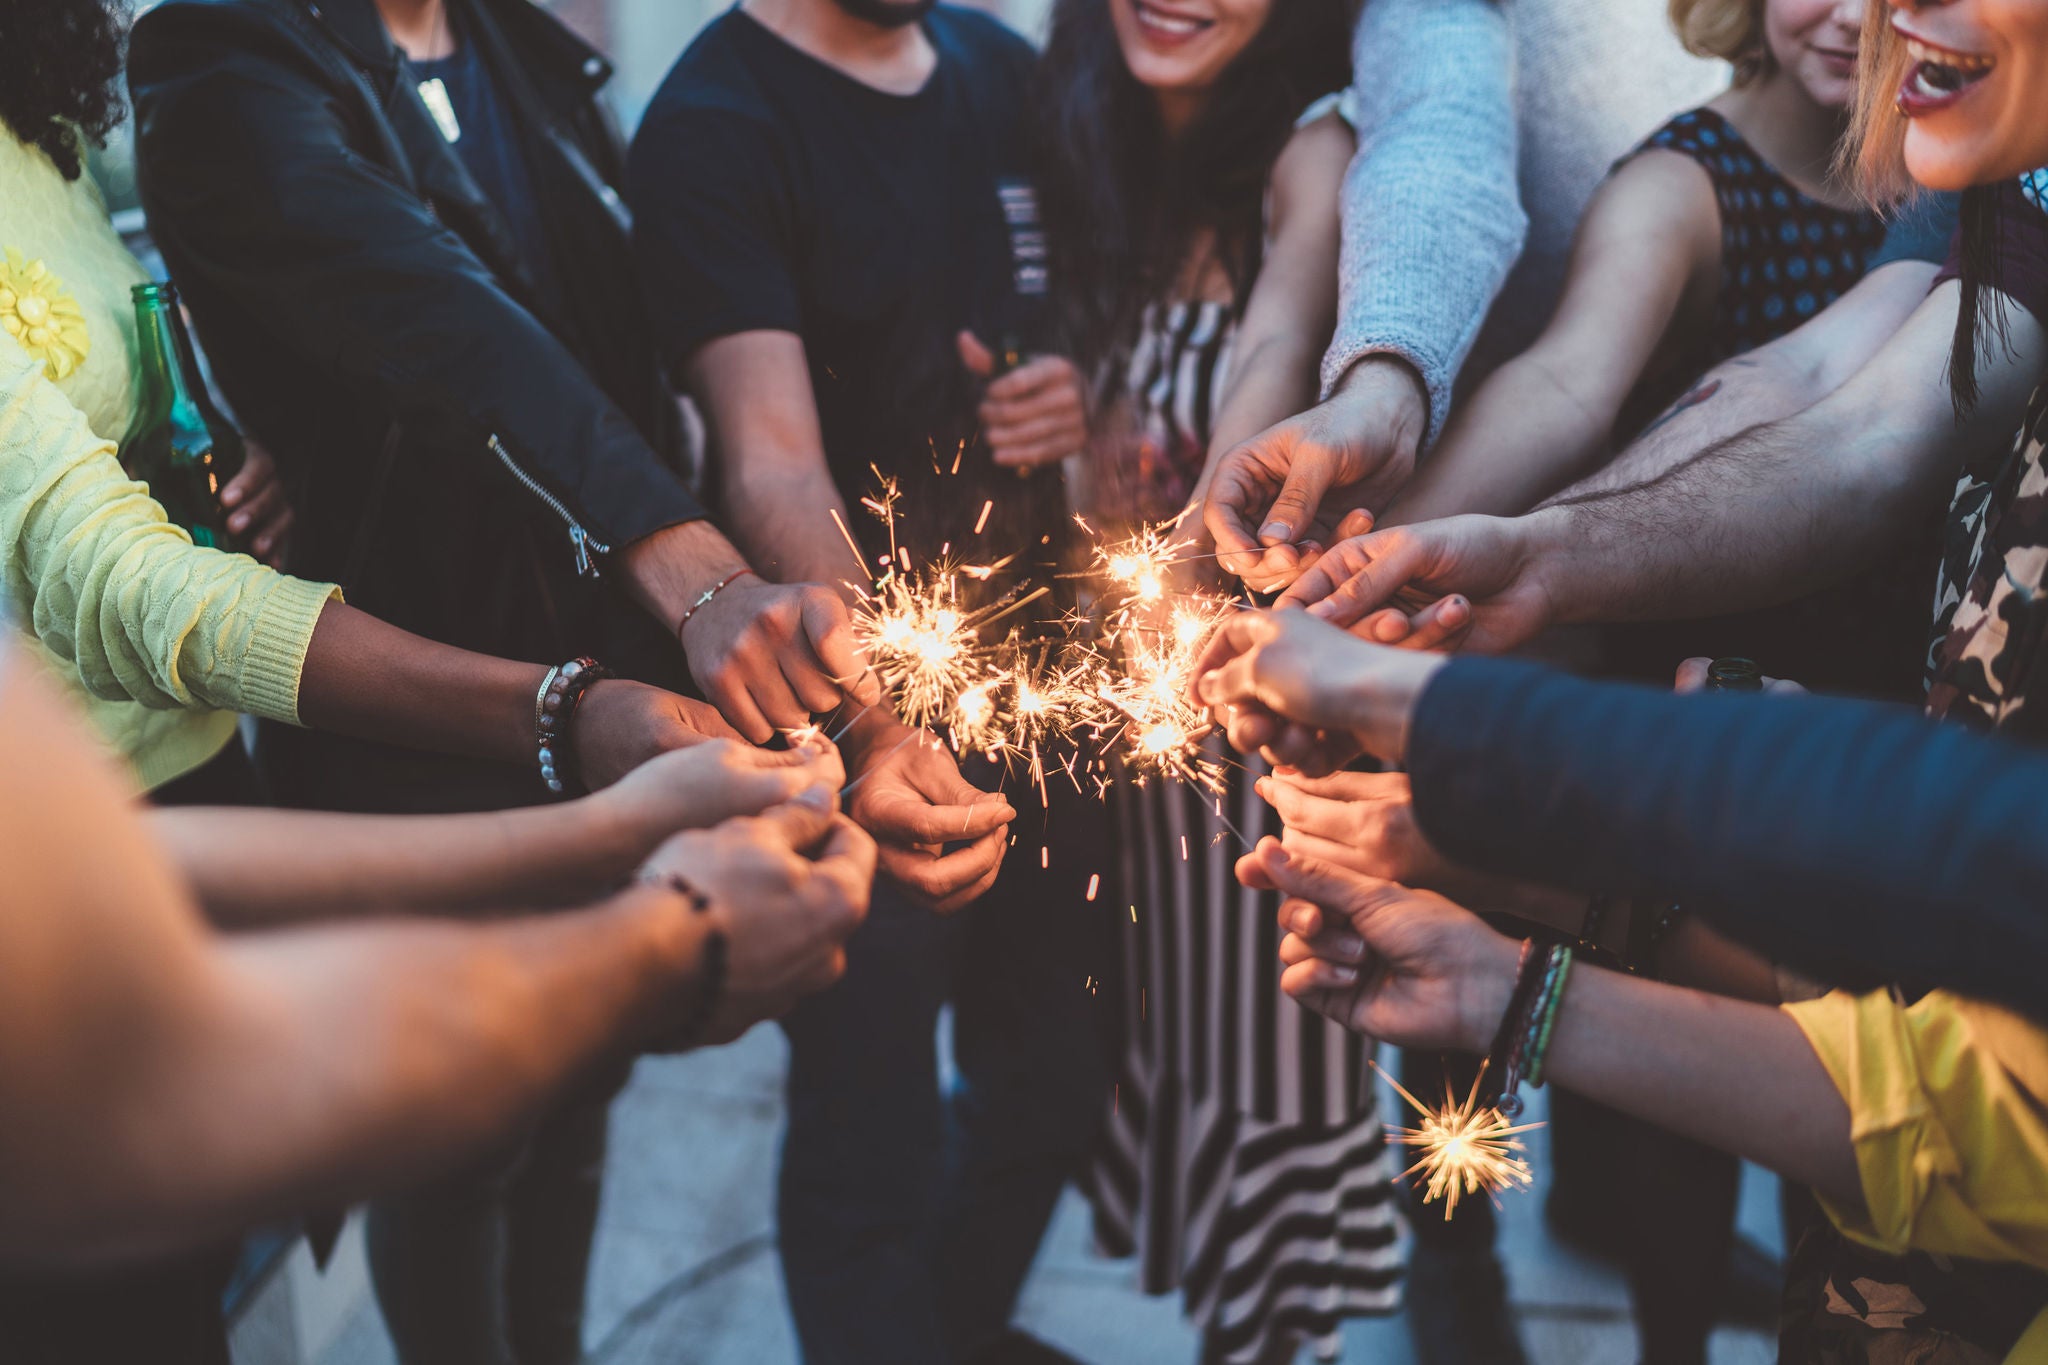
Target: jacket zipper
x,y
580,540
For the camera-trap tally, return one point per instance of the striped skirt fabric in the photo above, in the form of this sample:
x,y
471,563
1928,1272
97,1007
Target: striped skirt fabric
x,y
1243,1162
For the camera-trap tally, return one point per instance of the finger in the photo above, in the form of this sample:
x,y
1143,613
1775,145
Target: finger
x,y
273,537
1240,632
1301,917
736,704
1692,675
847,860
1251,728
1251,867
976,357
1295,508
772,696
1029,426
1039,375
936,876
1306,811
1440,625
1235,494
264,502
1357,522
1390,626
967,895
258,471
1316,977
1337,889
808,681
803,821
1336,943
1346,785
1300,843
1275,568
906,818
830,629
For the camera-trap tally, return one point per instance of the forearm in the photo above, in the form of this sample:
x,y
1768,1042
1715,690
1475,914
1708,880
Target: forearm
x,y
307,865
783,514
1432,219
335,1064
1523,435
1797,824
1733,1075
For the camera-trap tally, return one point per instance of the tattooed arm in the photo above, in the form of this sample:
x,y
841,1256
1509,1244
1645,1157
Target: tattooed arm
x,y
1789,375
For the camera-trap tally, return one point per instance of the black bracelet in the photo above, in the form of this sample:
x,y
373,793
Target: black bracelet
x,y
1504,1057
554,708
711,982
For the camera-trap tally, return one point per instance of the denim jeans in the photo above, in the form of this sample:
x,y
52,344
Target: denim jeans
x,y
909,1218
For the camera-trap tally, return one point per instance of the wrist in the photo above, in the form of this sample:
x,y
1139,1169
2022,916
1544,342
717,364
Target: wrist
x,y
1544,546
1487,990
1389,384
674,942
669,570
1381,707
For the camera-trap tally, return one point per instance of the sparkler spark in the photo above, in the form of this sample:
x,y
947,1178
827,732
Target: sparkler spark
x,y
1466,1147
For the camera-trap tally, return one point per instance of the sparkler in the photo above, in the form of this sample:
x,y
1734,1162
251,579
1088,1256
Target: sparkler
x,y
1466,1147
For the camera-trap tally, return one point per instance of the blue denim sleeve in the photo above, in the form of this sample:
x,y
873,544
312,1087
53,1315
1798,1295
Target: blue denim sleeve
x,y
1844,838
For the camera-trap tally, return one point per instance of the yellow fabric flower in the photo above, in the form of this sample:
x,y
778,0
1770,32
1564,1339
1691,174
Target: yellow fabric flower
x,y
35,311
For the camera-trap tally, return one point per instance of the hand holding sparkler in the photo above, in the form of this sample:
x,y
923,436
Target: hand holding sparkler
x,y
908,792
1307,694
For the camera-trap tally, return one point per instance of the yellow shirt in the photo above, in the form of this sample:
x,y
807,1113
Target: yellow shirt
x,y
1948,1110
165,640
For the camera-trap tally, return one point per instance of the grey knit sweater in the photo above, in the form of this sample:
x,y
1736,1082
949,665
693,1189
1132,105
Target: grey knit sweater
x,y
1482,126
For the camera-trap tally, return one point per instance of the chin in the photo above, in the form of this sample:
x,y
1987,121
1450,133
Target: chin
x,y
1939,164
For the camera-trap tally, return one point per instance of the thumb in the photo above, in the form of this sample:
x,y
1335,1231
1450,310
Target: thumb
x,y
805,819
976,357
1295,508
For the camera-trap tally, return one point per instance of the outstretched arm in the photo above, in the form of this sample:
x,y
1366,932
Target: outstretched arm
x,y
1769,514
1649,241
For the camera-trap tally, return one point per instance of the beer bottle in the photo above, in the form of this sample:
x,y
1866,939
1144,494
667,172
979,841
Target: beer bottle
x,y
1734,675
179,443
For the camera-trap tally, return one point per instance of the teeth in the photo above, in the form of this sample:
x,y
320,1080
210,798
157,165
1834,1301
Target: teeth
x,y
1171,23
1941,56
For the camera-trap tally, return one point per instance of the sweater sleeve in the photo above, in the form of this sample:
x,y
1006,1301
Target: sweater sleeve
x,y
108,584
1432,217
1845,838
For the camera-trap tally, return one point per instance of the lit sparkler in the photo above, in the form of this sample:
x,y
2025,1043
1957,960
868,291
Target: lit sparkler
x,y
1466,1147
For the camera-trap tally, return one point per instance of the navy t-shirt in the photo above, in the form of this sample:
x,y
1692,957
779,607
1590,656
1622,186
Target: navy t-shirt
x,y
772,191
487,141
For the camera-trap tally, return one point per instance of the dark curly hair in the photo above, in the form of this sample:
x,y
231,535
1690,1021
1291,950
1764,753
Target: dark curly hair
x,y
63,73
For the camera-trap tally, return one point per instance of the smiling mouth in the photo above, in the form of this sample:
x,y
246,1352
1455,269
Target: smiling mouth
x,y
1940,74
1166,23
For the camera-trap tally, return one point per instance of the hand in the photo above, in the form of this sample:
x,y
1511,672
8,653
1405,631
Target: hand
x,y
1692,677
1294,482
1405,966
772,655
714,781
908,792
786,888
1035,415
1393,586
259,514
1306,694
1365,823
621,724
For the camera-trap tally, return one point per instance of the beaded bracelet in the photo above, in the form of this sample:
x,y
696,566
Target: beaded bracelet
x,y
702,602
555,708
711,989
1543,1016
1507,1039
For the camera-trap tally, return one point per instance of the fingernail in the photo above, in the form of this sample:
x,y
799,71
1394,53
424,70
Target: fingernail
x,y
1278,857
1348,944
1341,973
818,796
1311,547
239,522
1276,530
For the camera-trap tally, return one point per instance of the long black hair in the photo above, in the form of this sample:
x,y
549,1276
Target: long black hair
x,y
1122,201
63,73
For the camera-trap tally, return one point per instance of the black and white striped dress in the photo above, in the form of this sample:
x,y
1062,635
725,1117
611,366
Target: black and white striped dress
x,y
1244,1162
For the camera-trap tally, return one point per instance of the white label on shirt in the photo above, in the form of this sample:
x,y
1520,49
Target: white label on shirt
x,y
434,95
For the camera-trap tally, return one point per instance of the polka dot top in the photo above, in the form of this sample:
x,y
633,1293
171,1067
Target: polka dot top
x,y
1784,254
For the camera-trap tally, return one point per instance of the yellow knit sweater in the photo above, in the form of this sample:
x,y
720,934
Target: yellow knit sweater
x,y
165,639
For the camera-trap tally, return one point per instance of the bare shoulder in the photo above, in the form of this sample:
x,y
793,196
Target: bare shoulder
x,y
1311,165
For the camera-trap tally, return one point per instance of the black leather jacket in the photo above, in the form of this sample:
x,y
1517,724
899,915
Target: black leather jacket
x,y
463,452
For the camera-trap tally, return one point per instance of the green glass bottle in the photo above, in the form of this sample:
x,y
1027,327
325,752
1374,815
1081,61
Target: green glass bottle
x,y
179,443
1733,674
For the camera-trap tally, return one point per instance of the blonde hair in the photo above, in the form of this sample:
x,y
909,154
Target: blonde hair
x,y
1732,30
1874,152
